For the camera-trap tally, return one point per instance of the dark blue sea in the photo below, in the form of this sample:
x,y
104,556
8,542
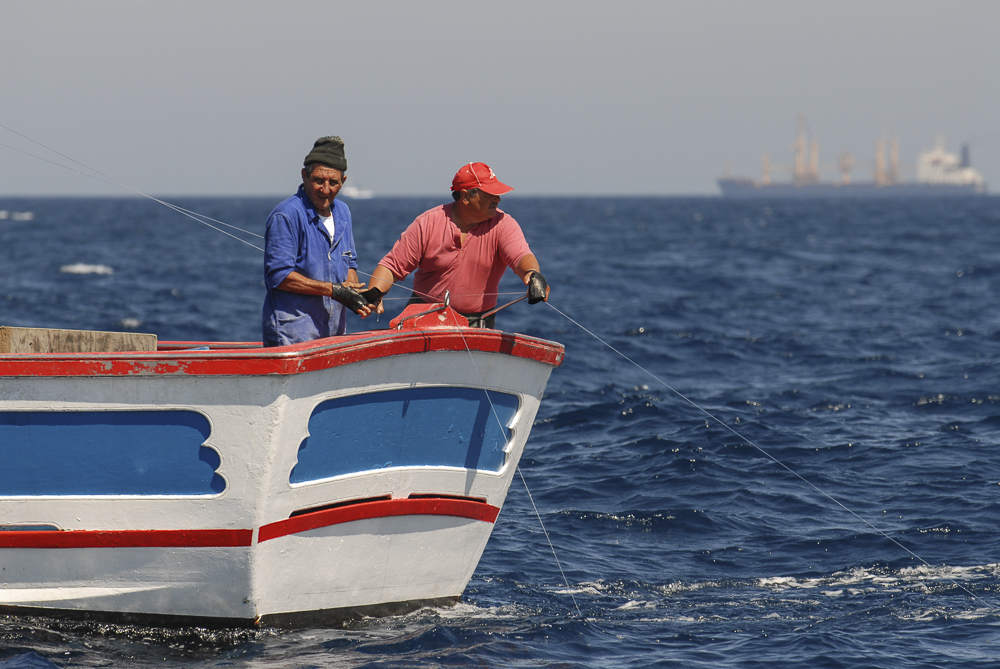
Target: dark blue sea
x,y
800,466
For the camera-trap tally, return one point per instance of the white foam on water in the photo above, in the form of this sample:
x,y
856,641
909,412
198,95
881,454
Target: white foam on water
x,y
577,591
467,610
630,520
859,577
83,268
636,604
676,588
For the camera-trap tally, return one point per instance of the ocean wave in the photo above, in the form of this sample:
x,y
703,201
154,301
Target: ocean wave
x,y
861,576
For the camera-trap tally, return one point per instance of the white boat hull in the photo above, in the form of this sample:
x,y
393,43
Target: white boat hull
x,y
292,515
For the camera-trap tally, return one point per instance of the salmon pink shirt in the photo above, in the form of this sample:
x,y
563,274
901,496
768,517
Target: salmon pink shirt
x,y
432,246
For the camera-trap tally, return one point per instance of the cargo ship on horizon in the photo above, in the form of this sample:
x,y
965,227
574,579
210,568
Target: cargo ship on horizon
x,y
939,174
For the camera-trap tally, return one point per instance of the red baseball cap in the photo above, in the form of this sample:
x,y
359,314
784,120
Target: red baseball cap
x,y
479,175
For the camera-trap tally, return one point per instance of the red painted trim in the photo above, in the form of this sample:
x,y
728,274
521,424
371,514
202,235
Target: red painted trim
x,y
381,509
438,506
240,359
126,539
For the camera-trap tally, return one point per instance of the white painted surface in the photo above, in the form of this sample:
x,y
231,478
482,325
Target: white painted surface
x,y
257,426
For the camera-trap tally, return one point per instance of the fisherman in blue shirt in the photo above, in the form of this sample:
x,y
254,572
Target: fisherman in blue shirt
x,y
310,262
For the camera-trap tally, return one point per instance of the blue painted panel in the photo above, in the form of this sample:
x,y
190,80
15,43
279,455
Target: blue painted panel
x,y
452,427
107,453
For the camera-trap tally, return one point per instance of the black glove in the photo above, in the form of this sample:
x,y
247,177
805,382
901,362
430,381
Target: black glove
x,y
538,290
349,297
373,296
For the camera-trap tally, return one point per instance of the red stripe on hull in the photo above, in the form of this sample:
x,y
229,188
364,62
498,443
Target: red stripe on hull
x,y
126,539
381,509
459,508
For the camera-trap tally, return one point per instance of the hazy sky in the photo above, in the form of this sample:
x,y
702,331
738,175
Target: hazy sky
x,y
201,97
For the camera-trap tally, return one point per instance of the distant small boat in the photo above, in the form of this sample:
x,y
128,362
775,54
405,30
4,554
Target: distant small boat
x,y
16,215
227,484
355,193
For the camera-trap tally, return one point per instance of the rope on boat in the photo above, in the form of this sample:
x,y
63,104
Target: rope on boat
x,y
768,455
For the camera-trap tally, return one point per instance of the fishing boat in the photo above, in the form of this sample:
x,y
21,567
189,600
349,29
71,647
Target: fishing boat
x,y
226,484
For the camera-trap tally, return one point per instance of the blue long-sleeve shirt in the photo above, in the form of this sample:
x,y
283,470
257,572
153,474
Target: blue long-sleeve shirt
x,y
296,240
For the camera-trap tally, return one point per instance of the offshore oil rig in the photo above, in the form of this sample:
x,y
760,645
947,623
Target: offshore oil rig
x,y
938,174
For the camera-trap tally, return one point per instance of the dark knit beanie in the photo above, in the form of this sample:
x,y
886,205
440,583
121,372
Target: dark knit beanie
x,y
328,151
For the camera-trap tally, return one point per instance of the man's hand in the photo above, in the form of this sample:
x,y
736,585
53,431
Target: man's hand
x,y
350,298
538,289
374,298
352,280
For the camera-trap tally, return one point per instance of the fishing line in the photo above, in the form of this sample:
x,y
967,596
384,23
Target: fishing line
x,y
200,218
767,455
503,430
433,300
104,178
193,215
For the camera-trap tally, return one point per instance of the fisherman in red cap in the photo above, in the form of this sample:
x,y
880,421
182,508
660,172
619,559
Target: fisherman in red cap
x,y
462,248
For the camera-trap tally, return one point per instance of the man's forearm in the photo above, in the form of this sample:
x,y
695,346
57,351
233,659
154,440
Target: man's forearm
x,y
525,266
382,279
300,283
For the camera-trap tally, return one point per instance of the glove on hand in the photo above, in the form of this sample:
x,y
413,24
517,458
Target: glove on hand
x,y
538,290
373,296
349,297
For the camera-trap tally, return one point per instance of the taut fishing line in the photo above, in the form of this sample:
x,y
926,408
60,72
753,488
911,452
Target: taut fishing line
x,y
104,178
766,454
503,430
193,215
519,473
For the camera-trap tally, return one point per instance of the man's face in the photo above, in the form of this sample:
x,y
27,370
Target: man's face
x,y
483,205
322,186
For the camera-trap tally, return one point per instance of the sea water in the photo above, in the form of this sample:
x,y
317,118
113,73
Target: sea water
x,y
775,443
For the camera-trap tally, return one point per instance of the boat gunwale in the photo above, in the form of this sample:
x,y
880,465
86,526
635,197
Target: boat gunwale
x,y
250,359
